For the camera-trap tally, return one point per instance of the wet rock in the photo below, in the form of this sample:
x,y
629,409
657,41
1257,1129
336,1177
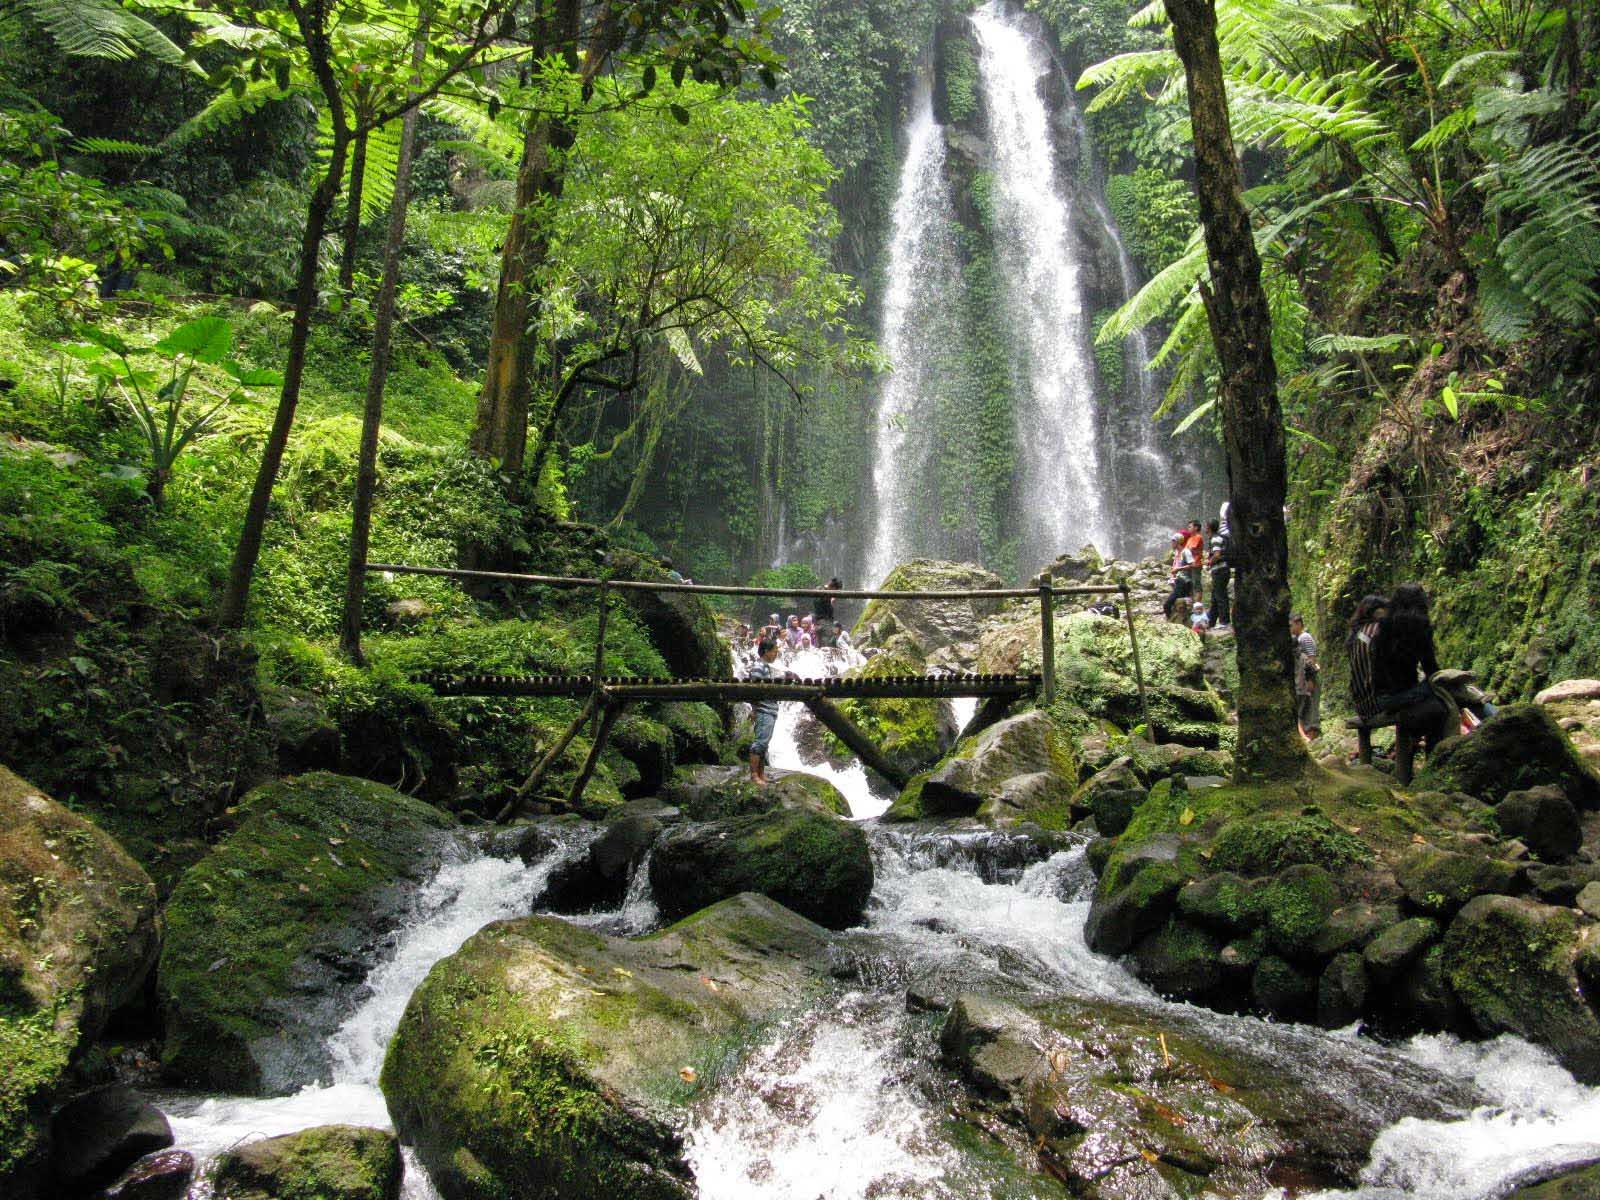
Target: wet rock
x,y
1440,881
1137,901
1181,961
536,1017
707,793
1393,951
1511,963
1519,747
1119,1104
1226,903
162,1176
1580,1184
1424,998
1111,795
929,625
1283,989
815,864
78,936
1561,885
266,933
976,776
1544,819
329,1162
600,878
98,1135
1342,991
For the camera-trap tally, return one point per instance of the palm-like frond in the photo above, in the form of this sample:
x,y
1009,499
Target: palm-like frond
x,y
223,110
474,121
104,29
1550,195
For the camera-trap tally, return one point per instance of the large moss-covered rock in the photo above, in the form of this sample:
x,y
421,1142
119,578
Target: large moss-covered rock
x,y
543,1059
329,1162
816,864
1581,1184
1111,794
1519,747
928,625
1544,820
78,936
1095,674
911,733
1511,963
263,934
707,793
1120,1105
680,624
697,732
975,778
1441,881
648,746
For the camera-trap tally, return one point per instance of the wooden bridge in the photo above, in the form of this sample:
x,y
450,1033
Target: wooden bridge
x,y
605,697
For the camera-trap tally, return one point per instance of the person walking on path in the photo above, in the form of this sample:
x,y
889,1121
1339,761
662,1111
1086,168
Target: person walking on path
x,y
1358,645
1221,576
1307,690
766,711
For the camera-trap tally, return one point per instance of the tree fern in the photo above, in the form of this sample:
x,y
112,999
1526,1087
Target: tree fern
x,y
225,109
104,29
1548,196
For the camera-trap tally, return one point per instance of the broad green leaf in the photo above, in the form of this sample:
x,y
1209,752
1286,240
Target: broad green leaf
x,y
207,339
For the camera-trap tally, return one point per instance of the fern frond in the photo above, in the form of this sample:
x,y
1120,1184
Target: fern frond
x,y
224,109
1551,197
114,148
1128,75
381,163
1166,288
104,29
472,120
1351,343
1505,312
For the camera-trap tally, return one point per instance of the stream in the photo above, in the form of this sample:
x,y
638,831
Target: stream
x,y
847,1100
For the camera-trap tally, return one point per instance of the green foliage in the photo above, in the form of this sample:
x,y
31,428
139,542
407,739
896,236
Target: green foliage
x,y
960,82
1156,213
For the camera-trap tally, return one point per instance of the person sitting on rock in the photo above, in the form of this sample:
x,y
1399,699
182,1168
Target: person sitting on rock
x,y
1182,585
1199,619
1403,658
766,711
1358,644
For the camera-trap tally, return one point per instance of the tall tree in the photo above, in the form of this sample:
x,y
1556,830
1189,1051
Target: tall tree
x,y
378,374
305,33
1241,329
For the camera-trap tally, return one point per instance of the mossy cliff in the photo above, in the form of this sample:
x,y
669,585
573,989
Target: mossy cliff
x,y
78,936
319,866
546,1059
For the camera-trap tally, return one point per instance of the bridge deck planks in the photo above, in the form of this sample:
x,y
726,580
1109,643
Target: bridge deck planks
x,y
635,688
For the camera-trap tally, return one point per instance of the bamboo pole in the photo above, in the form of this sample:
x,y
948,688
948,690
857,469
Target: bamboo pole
x,y
844,729
1138,665
613,709
600,645
1047,638
545,763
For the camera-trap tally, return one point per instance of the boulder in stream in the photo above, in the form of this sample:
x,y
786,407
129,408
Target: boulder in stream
x,y
98,1135
265,935
329,1162
78,936
993,774
710,793
816,864
546,1059
926,626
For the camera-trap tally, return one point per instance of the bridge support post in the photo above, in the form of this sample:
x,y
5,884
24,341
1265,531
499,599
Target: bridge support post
x,y
1047,637
600,641
610,711
843,729
1138,666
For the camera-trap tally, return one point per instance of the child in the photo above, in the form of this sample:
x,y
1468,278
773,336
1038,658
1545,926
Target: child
x,y
766,712
1199,619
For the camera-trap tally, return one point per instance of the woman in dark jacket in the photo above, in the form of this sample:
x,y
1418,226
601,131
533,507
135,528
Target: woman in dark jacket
x,y
1358,645
1403,658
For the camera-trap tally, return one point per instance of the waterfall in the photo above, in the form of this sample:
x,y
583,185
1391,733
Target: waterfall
x,y
922,278
1061,496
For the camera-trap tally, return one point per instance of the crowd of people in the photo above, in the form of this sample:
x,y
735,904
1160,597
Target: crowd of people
x,y
1196,555
817,630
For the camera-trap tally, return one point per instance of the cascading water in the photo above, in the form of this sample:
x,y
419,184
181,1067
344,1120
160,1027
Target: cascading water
x,y
1061,494
922,276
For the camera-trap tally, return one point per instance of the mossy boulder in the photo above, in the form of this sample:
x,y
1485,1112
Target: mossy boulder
x,y
911,733
1519,747
543,1059
1342,991
697,732
706,793
681,625
1393,951
1111,794
1544,820
1511,963
1180,960
928,625
1283,989
1120,1103
816,864
78,936
1296,906
600,878
1126,912
1259,845
263,934
1440,881
1581,1184
648,745
1225,903
329,1162
985,775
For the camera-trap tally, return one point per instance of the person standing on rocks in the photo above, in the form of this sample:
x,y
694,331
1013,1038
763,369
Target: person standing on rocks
x,y
1307,690
1195,542
1358,646
1221,575
1182,583
766,710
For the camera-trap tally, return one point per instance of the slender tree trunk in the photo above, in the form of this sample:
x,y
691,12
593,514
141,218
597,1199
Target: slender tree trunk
x,y
382,340
352,217
242,570
1270,746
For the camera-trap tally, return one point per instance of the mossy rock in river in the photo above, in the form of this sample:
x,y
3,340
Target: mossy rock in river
x,y
816,864
928,625
1519,747
912,734
262,934
975,778
329,1162
543,1059
707,793
78,936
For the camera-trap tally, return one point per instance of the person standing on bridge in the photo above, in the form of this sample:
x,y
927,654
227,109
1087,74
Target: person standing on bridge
x,y
766,711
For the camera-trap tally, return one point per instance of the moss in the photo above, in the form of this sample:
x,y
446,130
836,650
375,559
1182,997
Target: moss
x,y
697,733
907,731
307,849
329,1162
908,805
1296,906
1265,844
35,1052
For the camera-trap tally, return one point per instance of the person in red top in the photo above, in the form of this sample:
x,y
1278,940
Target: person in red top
x,y
1195,543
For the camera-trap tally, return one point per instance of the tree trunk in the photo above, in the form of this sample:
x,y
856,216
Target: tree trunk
x,y
382,339
242,570
1270,746
352,218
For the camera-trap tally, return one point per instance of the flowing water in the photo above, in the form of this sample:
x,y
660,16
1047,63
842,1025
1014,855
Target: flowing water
x,y
916,328
1062,495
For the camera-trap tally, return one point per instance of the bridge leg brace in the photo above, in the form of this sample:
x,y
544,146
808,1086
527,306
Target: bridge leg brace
x,y
545,763
608,718
859,743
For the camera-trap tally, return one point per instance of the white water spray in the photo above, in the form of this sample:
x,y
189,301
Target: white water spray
x,y
1061,493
